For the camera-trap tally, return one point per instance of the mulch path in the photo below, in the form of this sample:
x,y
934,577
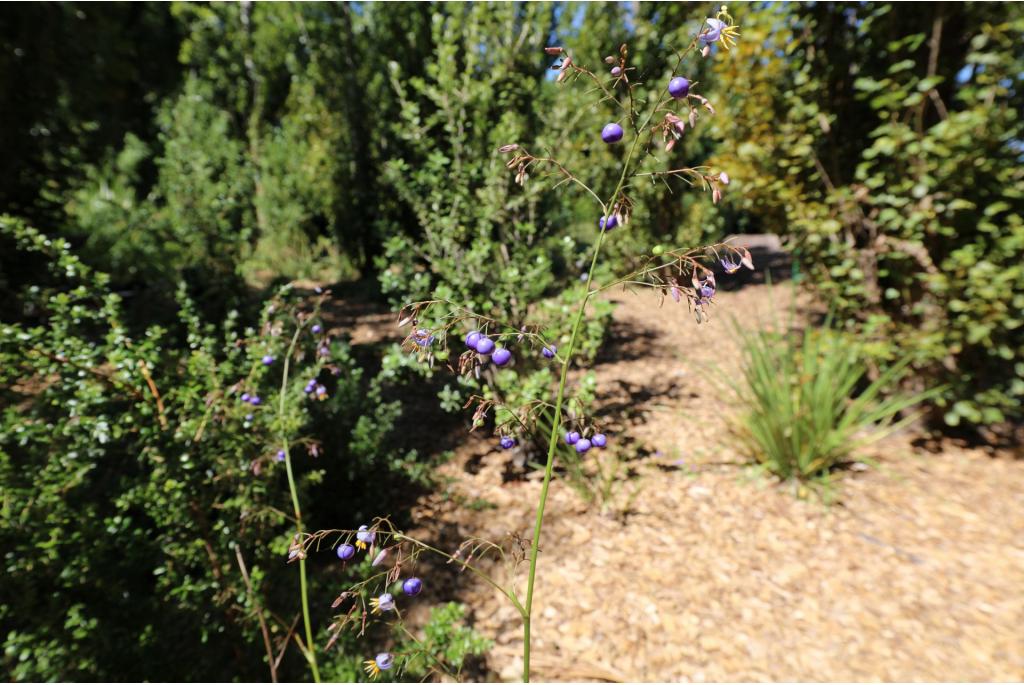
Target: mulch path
x,y
699,570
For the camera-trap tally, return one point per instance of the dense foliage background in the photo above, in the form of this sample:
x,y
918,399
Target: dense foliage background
x,y
167,168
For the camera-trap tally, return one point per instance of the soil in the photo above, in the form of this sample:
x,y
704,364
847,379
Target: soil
x,y
697,569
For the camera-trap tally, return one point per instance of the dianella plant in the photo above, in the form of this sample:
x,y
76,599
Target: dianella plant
x,y
645,121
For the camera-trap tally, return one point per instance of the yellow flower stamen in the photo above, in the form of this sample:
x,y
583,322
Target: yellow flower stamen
x,y
371,667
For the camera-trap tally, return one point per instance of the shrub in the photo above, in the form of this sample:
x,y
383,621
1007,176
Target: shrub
x,y
134,477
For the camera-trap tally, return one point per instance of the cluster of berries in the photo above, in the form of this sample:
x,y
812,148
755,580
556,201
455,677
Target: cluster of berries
x,y
573,438
678,87
482,345
254,400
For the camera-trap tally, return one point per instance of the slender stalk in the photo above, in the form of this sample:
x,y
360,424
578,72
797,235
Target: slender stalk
x,y
553,441
310,651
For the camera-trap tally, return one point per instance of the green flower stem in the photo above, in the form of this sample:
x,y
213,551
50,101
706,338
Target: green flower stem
x,y
553,440
310,651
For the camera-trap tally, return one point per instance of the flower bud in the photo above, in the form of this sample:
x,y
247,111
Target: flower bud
x,y
553,51
724,178
508,148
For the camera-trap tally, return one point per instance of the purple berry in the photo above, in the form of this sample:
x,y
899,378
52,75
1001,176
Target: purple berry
x,y
485,345
608,223
248,417
611,133
599,440
346,551
616,71
255,400
268,359
280,455
472,338
501,356
572,437
412,586
507,442
316,329
549,352
678,87
582,445
245,397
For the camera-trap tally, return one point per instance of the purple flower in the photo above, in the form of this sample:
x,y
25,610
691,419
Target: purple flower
x,y
501,356
608,223
507,442
321,392
582,445
599,440
714,31
549,351
572,437
346,551
386,602
611,133
316,329
472,338
412,586
383,662
364,537
485,345
310,386
280,455
679,87
423,338
729,264
268,359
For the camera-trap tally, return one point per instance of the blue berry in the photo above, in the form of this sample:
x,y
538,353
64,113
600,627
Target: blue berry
x,y
412,586
280,455
611,133
616,71
472,338
582,445
316,328
572,437
255,400
485,345
608,223
245,397
599,440
501,356
346,551
549,351
678,87
507,442
248,417
268,359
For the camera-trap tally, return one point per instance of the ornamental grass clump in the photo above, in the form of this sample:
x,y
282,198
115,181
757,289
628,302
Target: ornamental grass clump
x,y
807,405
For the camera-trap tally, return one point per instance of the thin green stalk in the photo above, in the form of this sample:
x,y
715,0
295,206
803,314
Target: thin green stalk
x,y
553,441
310,651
